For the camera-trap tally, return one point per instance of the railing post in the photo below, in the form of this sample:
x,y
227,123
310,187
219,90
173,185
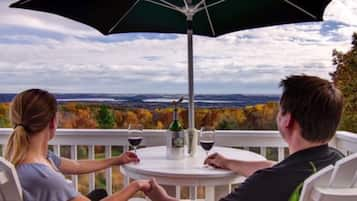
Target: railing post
x,y
108,172
281,153
74,157
126,178
3,150
91,156
263,151
57,149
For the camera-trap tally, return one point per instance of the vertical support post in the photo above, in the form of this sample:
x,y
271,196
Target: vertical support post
x,y
280,153
91,156
126,178
108,173
178,192
209,193
74,157
263,151
3,146
57,149
193,192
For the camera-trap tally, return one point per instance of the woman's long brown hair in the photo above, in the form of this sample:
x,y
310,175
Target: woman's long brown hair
x,y
30,112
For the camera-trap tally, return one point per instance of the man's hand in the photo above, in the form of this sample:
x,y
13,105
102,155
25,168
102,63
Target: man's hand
x,y
158,193
217,160
125,158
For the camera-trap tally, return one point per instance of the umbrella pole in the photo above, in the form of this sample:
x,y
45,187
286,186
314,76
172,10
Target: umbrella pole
x,y
191,105
192,136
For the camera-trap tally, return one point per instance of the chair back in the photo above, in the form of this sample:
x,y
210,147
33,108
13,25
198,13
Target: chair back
x,y
320,178
10,188
333,183
345,173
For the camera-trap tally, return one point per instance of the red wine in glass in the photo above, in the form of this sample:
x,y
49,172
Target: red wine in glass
x,y
135,135
135,141
207,135
207,144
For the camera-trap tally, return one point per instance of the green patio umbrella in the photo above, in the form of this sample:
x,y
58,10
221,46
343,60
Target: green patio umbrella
x,y
202,17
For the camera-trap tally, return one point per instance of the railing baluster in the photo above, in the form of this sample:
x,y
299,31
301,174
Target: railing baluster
x,y
281,153
108,172
246,148
91,156
74,157
178,192
57,149
126,179
263,151
3,150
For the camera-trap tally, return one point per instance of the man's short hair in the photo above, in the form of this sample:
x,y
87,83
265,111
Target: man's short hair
x,y
314,103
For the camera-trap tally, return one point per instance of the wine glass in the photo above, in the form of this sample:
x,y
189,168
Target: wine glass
x,y
207,135
135,135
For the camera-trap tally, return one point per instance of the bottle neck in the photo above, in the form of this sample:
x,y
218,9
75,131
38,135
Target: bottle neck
x,y
175,117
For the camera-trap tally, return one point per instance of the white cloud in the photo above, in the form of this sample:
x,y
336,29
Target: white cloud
x,y
43,50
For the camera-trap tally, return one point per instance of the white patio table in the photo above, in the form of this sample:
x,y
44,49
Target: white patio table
x,y
189,171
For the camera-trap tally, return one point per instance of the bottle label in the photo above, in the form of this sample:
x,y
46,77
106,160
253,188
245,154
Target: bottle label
x,y
177,139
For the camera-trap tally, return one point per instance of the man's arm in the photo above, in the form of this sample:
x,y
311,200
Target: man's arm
x,y
245,168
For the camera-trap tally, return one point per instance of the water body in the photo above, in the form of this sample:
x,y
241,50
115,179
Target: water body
x,y
161,100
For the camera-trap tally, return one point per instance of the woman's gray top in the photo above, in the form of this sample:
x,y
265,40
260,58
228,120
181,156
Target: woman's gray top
x,y
41,183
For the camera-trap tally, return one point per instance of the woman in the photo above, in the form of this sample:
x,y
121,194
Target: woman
x,y
33,116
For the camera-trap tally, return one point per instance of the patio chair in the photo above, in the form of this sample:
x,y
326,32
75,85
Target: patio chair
x,y
10,188
333,183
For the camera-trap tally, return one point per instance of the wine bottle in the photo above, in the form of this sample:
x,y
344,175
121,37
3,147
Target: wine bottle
x,y
175,136
176,129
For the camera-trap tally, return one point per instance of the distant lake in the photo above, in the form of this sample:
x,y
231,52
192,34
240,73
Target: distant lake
x,y
161,100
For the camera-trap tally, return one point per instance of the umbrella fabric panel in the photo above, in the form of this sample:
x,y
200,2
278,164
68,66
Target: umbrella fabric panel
x,y
235,15
95,13
227,16
149,17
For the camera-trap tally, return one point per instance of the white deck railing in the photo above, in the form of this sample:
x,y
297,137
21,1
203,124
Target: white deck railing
x,y
344,141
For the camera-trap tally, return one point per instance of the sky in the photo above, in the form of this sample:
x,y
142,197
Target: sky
x,y
40,50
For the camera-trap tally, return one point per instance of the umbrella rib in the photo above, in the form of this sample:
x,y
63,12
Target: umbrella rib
x,y
210,5
175,8
25,2
199,4
170,4
185,2
122,17
301,9
209,18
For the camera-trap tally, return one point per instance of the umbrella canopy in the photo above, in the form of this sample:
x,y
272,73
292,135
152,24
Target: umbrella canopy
x,y
201,17
209,17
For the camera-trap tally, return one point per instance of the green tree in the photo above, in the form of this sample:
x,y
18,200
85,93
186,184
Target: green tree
x,y
105,117
227,123
345,78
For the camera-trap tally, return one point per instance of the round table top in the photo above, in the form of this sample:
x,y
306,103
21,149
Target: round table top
x,y
153,163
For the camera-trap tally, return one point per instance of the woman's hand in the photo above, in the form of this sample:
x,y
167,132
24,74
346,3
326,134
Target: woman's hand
x,y
157,192
127,157
143,185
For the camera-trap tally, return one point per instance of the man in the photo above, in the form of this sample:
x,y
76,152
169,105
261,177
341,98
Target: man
x,y
310,110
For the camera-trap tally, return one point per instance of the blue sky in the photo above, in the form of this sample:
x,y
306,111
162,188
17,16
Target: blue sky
x,y
60,55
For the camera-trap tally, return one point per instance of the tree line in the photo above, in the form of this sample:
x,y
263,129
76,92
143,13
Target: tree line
x,y
89,115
